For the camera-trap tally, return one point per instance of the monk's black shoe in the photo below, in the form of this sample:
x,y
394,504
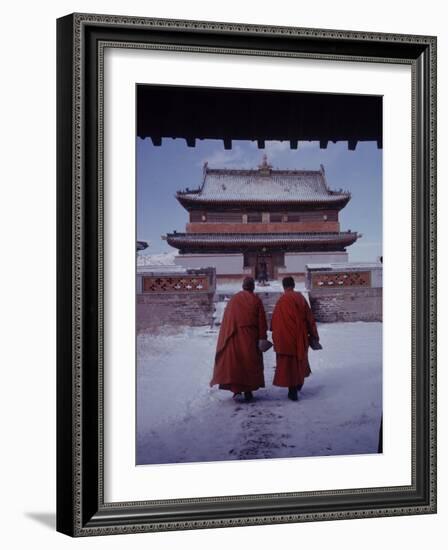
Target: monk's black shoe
x,y
292,394
248,396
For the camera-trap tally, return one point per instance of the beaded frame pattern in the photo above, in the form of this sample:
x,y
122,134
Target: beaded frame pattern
x,y
84,19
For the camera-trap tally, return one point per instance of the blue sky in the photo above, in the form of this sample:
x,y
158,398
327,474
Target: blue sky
x,y
161,171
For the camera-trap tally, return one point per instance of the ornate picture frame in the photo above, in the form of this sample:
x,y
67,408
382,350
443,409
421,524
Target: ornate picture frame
x,y
81,507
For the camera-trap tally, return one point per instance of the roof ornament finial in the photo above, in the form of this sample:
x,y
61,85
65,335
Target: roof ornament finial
x,y
264,167
204,171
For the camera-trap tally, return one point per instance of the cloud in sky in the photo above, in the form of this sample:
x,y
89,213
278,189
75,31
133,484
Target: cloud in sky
x,y
223,158
276,147
250,156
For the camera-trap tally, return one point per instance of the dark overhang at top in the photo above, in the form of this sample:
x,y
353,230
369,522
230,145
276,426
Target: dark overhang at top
x,y
193,113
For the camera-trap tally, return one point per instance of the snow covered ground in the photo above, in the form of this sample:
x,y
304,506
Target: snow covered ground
x,y
158,263
181,419
162,259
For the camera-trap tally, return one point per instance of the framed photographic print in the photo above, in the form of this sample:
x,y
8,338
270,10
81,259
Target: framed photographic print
x,y
246,274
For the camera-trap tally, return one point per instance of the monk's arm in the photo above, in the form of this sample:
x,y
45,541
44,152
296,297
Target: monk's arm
x,y
262,324
310,321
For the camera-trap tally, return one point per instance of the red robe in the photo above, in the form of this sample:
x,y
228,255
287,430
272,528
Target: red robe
x,y
238,361
292,325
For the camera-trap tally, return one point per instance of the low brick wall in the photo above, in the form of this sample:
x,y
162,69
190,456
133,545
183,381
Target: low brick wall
x,y
357,304
157,310
345,292
175,299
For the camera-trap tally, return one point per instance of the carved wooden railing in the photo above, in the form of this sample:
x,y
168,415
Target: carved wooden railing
x,y
175,283
341,279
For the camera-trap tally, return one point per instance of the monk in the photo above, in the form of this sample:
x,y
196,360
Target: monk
x,y
292,327
238,360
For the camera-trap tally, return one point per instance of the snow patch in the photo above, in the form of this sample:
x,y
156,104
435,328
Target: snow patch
x,y
165,259
181,419
158,263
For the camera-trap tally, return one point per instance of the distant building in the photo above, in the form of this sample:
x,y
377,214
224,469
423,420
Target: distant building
x,y
141,245
262,221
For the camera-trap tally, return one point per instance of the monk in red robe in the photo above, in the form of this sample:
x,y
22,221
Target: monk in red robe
x,y
238,360
292,327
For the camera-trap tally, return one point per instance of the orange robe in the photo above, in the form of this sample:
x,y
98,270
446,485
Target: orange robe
x,y
238,361
292,325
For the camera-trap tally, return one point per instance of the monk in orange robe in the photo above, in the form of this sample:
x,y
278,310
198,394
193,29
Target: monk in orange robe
x,y
238,360
292,327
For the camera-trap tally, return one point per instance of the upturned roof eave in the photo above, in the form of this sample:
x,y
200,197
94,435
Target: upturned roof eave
x,y
195,202
190,239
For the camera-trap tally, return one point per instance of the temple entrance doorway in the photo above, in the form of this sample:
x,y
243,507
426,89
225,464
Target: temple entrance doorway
x,y
264,268
264,263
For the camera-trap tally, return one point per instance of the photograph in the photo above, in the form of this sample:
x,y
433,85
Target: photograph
x,y
232,198
259,258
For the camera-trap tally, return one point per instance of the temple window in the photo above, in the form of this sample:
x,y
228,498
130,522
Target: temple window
x,y
276,217
197,217
224,217
254,217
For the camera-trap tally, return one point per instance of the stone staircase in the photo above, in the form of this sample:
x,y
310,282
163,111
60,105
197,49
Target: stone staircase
x,y
269,300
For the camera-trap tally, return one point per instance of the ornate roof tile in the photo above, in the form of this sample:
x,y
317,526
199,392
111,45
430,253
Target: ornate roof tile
x,y
260,239
263,185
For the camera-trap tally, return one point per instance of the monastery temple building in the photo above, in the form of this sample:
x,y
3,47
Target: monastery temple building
x,y
242,221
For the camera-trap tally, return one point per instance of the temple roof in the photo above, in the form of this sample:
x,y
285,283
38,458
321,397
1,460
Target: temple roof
x,y
179,240
263,185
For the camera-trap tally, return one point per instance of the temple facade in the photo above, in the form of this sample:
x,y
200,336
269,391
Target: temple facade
x,y
245,222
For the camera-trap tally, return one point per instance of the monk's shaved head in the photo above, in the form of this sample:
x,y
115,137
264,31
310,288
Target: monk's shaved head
x,y
249,284
288,282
